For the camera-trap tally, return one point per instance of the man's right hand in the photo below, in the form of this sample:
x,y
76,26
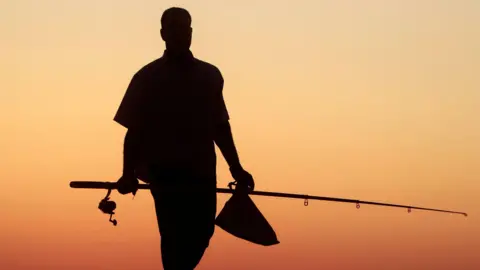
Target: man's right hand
x,y
128,183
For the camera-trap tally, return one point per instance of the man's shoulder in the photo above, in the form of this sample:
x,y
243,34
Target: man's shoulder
x,y
206,65
208,68
149,67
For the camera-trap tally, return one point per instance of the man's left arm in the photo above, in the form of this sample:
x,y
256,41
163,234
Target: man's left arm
x,y
223,136
224,140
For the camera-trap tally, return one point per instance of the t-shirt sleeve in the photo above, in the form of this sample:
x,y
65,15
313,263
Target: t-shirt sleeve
x,y
220,109
129,111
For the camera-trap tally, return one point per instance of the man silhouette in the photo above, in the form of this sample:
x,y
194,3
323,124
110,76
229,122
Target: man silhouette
x,y
175,113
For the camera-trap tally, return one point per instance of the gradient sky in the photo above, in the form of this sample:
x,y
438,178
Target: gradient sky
x,y
372,100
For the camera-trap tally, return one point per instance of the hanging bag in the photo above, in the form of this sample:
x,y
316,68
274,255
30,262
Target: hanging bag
x,y
241,218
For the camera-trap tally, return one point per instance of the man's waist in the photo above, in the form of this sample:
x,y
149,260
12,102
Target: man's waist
x,y
179,148
167,170
175,153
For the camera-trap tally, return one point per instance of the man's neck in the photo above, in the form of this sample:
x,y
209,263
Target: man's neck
x,y
181,56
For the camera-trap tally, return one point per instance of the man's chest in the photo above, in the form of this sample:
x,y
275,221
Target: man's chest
x,y
178,95
174,85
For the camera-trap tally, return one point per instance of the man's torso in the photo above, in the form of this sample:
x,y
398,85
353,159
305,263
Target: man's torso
x,y
177,114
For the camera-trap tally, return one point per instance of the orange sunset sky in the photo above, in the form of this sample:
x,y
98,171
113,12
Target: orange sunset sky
x,y
371,100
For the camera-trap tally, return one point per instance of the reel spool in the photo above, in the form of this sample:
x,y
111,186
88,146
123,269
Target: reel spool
x,y
108,207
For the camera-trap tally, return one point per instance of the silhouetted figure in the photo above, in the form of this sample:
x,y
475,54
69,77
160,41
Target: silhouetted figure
x,y
175,114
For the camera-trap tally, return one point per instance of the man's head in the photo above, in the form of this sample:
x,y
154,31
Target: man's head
x,y
176,29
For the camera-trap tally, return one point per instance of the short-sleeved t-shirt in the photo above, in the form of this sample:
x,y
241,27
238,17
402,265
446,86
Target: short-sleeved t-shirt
x,y
176,104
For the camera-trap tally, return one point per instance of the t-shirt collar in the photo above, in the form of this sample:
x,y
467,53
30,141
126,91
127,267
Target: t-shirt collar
x,y
186,57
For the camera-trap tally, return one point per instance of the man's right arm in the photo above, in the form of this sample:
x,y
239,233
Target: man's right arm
x,y
129,116
130,152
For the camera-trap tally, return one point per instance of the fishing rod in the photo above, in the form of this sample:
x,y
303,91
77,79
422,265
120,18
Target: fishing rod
x,y
108,207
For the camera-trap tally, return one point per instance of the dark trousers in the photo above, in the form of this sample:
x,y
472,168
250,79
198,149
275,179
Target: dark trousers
x,y
185,205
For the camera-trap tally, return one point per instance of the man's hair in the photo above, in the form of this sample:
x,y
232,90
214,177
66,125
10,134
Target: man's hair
x,y
173,14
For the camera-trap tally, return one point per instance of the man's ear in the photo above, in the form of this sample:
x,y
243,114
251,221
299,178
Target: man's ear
x,y
162,34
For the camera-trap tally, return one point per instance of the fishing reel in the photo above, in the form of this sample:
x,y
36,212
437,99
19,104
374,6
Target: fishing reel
x,y
107,207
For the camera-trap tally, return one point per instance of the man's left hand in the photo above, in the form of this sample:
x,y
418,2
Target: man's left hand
x,y
243,178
